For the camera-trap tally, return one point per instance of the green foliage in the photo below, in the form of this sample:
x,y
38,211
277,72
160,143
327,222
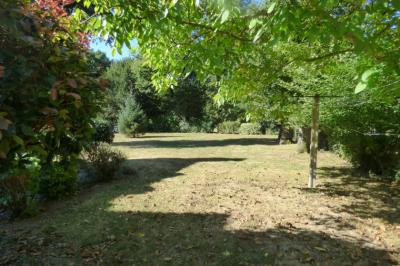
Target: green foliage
x,y
132,120
104,131
366,134
49,96
211,35
397,176
18,188
185,127
15,194
349,120
168,122
104,161
229,127
378,154
98,62
58,180
250,129
189,106
121,86
188,99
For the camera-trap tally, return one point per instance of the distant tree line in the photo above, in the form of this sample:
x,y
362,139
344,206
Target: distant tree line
x,y
186,107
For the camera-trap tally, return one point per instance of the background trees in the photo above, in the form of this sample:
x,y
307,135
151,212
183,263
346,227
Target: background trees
x,y
189,106
268,55
132,120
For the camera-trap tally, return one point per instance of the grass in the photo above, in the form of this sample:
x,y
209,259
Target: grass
x,y
208,199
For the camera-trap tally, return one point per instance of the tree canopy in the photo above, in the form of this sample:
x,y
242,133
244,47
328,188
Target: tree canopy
x,y
232,40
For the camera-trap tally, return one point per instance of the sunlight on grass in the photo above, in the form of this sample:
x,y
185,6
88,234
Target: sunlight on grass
x,y
224,199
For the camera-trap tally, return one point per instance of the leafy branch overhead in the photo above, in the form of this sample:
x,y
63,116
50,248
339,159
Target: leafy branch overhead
x,y
207,36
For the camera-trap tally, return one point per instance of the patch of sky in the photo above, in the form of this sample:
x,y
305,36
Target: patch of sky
x,y
103,46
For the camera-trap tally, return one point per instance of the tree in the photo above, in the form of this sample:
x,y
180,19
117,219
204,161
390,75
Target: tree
x,y
246,46
189,103
132,120
98,62
227,38
49,96
362,127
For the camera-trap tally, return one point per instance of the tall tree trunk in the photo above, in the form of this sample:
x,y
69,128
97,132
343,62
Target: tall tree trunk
x,y
314,142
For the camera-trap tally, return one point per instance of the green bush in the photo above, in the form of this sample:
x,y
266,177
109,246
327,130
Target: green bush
x,y
378,154
132,120
15,193
104,161
166,122
18,188
366,135
229,127
206,127
104,131
250,129
185,127
58,180
49,95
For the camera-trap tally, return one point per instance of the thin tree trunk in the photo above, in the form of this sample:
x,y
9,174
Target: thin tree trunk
x,y
314,142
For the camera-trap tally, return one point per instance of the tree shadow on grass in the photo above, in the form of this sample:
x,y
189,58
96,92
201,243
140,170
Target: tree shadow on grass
x,y
148,171
155,136
156,238
90,233
196,143
373,197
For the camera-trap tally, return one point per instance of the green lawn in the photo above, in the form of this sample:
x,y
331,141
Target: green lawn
x,y
208,199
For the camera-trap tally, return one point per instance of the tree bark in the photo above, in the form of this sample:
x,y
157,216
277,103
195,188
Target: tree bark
x,y
301,143
314,142
285,135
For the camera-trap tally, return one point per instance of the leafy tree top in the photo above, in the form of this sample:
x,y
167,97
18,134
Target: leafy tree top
x,y
227,38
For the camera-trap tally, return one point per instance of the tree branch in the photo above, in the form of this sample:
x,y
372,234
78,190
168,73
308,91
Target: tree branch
x,y
207,27
331,54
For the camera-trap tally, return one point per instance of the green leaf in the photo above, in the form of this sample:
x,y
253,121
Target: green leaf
x,y
225,16
365,80
128,44
97,23
26,130
258,35
18,140
360,87
173,3
365,76
253,23
271,7
86,3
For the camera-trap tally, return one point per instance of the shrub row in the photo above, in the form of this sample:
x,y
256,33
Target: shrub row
x,y
250,129
235,127
229,127
21,187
